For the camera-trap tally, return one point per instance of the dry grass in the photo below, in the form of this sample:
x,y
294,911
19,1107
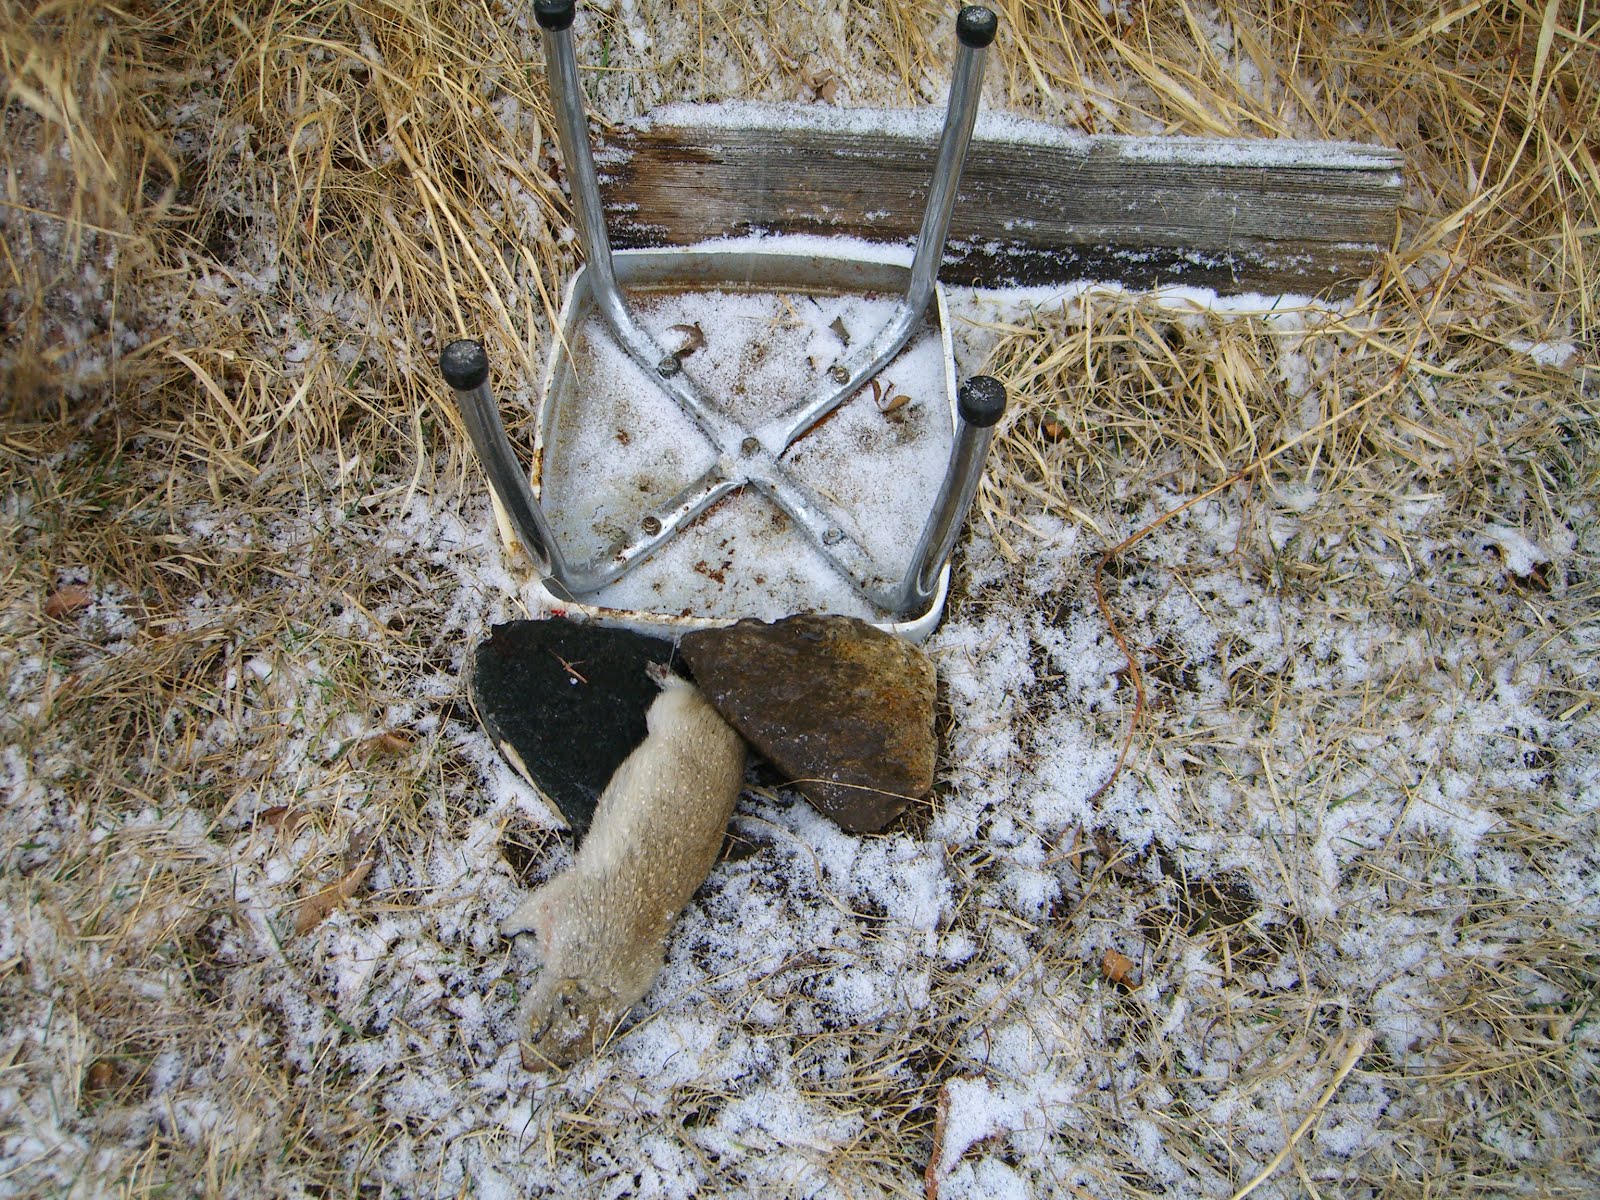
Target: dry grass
x,y
233,237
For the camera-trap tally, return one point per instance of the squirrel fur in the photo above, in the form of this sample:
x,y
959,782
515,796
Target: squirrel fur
x,y
602,924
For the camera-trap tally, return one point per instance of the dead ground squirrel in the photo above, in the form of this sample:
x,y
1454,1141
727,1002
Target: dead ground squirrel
x,y
602,924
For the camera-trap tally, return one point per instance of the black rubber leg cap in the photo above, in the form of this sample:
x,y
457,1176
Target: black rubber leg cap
x,y
464,365
981,400
554,15
976,26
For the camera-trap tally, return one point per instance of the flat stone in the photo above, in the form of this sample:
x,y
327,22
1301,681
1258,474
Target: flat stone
x,y
565,703
844,710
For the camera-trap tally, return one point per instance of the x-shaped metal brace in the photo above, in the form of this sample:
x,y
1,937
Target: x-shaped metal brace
x,y
747,456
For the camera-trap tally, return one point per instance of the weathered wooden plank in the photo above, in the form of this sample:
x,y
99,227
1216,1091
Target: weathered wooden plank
x,y
1036,206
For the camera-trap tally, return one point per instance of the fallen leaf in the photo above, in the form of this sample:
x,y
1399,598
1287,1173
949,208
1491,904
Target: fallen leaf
x,y
66,601
390,741
839,331
1535,579
316,908
1115,857
101,1077
284,819
895,402
941,1115
693,339
1119,969
1074,852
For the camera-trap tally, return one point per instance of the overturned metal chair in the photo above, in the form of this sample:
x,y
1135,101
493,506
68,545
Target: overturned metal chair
x,y
738,455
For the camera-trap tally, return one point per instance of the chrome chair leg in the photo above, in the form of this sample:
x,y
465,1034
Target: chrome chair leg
x,y
743,456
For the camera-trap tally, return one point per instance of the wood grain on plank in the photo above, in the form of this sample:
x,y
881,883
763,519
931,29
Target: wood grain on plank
x,y
1235,216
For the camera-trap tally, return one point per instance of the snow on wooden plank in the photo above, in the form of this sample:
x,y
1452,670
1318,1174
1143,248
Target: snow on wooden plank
x,y
1037,206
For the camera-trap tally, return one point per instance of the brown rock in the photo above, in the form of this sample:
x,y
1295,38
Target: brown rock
x,y
843,709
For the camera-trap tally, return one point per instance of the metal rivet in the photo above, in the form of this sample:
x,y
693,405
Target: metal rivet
x,y
669,365
839,373
832,537
750,445
652,525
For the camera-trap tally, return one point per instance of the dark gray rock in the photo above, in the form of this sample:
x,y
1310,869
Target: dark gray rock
x,y
565,703
843,709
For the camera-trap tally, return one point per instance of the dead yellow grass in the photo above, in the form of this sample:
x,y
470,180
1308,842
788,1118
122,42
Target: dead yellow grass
x,y
233,237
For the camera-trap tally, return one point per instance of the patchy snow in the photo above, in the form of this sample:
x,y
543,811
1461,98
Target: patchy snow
x,y
1521,556
804,953
617,446
764,1056
1547,354
925,124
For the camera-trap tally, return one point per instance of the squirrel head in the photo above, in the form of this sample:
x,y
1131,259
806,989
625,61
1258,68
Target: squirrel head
x,y
567,1019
